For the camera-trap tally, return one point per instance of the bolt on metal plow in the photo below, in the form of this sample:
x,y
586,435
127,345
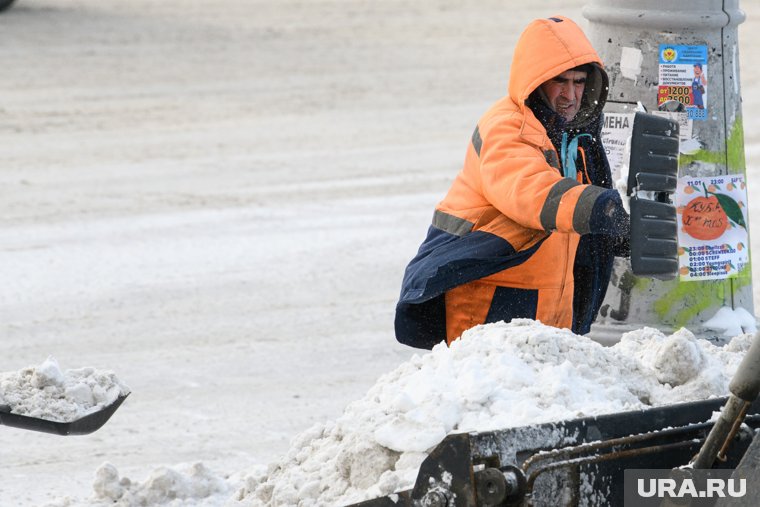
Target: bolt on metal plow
x,y
582,461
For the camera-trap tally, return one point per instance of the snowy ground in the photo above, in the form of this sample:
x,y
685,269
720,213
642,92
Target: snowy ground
x,y
216,200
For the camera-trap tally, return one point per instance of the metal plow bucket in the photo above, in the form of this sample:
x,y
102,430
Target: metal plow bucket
x,y
577,462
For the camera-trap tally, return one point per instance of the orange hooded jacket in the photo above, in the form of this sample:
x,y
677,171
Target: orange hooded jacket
x,y
510,223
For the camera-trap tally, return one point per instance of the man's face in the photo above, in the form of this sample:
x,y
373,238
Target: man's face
x,y
697,70
564,92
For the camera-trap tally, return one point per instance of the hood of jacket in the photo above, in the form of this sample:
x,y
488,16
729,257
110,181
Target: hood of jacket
x,y
547,48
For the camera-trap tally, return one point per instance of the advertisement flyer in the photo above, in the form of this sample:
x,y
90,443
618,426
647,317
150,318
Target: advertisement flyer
x,y
616,130
683,78
712,227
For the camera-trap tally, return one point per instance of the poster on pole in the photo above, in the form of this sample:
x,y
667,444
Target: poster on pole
x,y
683,78
712,227
616,130
685,128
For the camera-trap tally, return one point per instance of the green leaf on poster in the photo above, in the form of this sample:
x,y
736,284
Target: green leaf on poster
x,y
732,209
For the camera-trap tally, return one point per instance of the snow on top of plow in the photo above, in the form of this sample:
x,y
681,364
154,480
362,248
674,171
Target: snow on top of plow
x,y
46,392
497,376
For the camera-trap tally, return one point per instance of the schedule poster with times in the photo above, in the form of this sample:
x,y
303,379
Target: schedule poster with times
x,y
712,227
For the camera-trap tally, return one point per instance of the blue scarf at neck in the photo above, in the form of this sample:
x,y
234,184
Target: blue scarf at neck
x,y
565,140
569,153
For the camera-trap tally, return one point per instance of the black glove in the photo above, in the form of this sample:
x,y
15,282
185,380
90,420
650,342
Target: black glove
x,y
608,216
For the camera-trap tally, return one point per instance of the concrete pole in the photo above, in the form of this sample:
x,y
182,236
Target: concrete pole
x,y
654,51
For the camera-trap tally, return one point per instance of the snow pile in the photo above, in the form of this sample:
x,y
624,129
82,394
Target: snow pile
x,y
497,376
732,322
46,392
190,485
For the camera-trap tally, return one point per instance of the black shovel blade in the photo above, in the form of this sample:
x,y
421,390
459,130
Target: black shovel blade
x,y
654,154
82,426
654,239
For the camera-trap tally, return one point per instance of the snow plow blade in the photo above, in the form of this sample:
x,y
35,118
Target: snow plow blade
x,y
576,462
82,426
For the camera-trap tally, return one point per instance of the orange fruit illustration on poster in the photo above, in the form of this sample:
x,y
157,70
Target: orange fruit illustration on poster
x,y
706,217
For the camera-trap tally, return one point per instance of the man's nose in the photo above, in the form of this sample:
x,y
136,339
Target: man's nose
x,y
566,90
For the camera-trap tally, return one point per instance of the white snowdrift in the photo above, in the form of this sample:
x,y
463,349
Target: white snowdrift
x,y
496,376
183,485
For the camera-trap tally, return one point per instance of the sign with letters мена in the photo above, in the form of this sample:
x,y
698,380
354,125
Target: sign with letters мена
x,y
616,130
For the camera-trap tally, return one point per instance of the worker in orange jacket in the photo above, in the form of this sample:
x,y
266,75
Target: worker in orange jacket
x,y
530,225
